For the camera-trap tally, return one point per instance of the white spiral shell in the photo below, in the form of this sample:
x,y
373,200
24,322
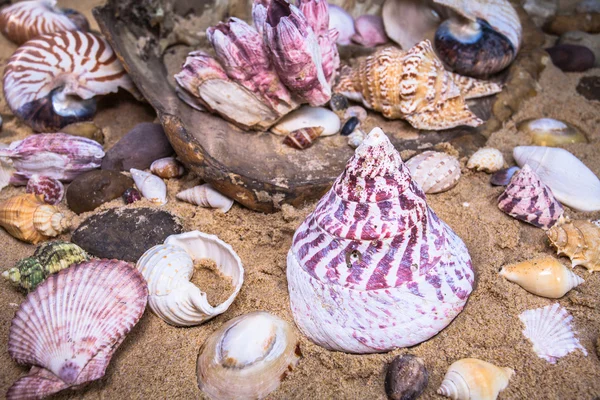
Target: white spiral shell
x,y
150,186
473,379
206,196
487,159
434,171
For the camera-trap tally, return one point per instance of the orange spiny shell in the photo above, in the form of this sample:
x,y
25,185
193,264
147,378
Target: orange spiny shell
x,y
579,240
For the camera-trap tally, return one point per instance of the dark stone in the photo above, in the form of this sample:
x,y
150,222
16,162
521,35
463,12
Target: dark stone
x,y
90,190
145,143
406,378
131,195
125,234
503,177
571,57
589,87
350,126
338,102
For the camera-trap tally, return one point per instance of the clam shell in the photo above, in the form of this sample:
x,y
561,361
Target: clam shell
x,y
551,132
579,240
487,159
342,21
169,267
549,330
435,172
206,196
247,358
167,168
52,190
307,117
70,326
470,379
151,186
407,22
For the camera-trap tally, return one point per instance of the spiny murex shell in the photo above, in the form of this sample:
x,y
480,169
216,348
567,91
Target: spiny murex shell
x,y
169,267
473,379
206,196
579,240
549,330
412,85
487,159
434,171
544,276
247,357
71,325
151,186
373,268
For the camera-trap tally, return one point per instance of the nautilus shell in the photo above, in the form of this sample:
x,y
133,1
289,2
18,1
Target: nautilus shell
x,y
473,379
206,196
579,240
434,171
151,186
50,81
169,267
487,159
372,268
247,357
412,85
29,19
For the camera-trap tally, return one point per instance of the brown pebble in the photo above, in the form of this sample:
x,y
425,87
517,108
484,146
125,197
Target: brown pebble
x,y
571,57
589,87
406,378
85,129
94,188
586,22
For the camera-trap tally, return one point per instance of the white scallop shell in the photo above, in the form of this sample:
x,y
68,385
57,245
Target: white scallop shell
x,y
307,117
206,196
487,159
151,186
169,267
167,167
247,357
434,171
571,182
549,330
473,379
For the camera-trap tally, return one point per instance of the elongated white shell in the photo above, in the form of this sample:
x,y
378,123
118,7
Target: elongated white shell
x,y
247,357
307,117
169,267
487,159
434,171
206,196
150,186
571,182
549,330
473,379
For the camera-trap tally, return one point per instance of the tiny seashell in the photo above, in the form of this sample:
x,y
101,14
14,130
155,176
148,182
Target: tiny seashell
x,y
551,132
343,22
356,111
69,328
131,195
470,379
356,138
435,172
350,126
303,138
338,102
206,196
52,189
406,378
579,240
247,357
528,199
487,159
169,267
167,168
306,117
545,277
549,330
503,176
150,186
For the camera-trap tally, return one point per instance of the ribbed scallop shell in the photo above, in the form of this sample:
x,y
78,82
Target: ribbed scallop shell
x,y
528,199
167,168
169,267
579,240
434,171
473,379
487,159
373,268
151,186
247,358
206,196
70,326
549,330
51,189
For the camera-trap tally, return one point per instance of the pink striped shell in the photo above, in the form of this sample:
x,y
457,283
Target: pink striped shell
x,y
70,326
28,19
52,189
373,268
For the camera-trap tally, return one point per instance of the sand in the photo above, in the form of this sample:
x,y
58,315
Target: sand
x,y
158,361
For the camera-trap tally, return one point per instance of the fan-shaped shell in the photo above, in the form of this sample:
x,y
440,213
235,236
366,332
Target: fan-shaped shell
x,y
247,357
151,186
169,267
51,189
549,330
487,159
70,326
434,171
373,268
579,240
167,168
206,196
470,379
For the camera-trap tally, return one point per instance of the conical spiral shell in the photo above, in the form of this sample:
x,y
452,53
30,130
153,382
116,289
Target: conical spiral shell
x,y
470,379
70,326
206,196
579,240
434,171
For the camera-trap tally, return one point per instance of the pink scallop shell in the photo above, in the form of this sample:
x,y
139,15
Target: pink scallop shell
x,y
52,190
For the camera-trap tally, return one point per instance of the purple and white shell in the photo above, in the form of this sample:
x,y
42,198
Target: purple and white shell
x,y
52,190
373,268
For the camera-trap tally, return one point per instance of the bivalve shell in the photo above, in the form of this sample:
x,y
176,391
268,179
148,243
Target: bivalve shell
x,y
579,240
435,172
167,168
307,117
551,132
487,159
151,186
206,196
473,379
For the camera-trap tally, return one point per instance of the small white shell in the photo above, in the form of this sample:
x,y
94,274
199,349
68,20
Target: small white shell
x,y
169,267
434,171
487,159
206,196
151,186
356,138
306,117
473,379
341,20
167,168
549,330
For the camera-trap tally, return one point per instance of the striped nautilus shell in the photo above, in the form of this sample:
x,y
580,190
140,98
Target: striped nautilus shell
x,y
29,19
373,268
50,81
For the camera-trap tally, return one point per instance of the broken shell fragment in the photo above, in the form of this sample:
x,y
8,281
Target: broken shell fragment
x,y
470,379
435,172
487,159
167,168
406,378
303,138
169,267
51,189
306,117
551,132
503,176
545,277
150,186
206,196
579,240
247,358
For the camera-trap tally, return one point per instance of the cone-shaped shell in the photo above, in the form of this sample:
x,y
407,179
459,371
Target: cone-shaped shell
x,y
151,186
247,358
206,196
373,268
70,326
470,379
434,171
27,217
544,276
579,240
528,199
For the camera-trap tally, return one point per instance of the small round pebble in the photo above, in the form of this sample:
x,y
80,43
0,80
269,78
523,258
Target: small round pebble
x,y
338,102
571,57
406,378
589,87
131,195
503,177
94,188
356,111
350,126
